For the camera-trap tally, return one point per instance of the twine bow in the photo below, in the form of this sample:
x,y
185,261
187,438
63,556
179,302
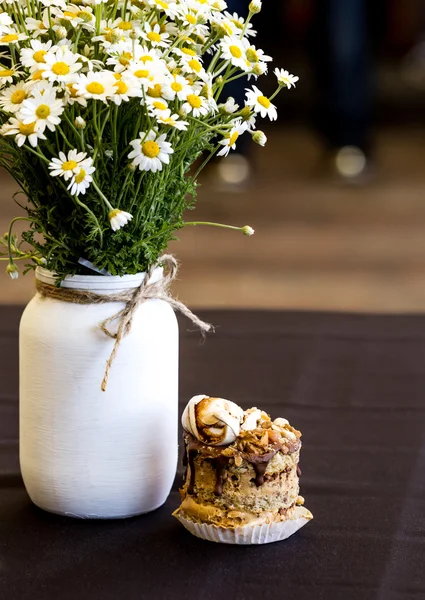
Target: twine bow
x,y
132,299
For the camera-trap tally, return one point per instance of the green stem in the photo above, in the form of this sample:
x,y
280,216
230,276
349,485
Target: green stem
x,y
102,195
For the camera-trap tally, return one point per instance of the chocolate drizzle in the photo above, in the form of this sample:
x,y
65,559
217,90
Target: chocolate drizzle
x,y
220,463
191,455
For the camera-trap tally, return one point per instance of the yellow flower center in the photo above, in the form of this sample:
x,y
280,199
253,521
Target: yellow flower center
x,y
72,90
176,86
122,88
6,72
237,23
227,28
194,101
155,91
189,51
160,105
43,111
10,37
141,73
191,19
113,213
68,13
69,165
27,129
146,58
150,149
162,4
125,26
195,65
95,88
85,16
233,138
80,176
153,36
264,101
252,55
235,51
39,56
18,96
37,75
125,58
112,36
60,68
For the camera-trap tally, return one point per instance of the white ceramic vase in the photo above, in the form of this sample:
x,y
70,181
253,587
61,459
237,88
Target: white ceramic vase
x,y
87,453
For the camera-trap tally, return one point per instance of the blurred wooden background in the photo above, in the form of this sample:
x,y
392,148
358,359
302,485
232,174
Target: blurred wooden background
x,y
318,244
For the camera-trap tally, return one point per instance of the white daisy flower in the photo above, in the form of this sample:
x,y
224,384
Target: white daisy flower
x,y
38,27
125,28
257,69
156,90
147,72
285,79
24,132
185,53
169,8
156,106
7,75
67,166
71,96
77,16
42,108
125,87
166,118
81,179
238,24
233,49
61,65
33,57
12,37
155,36
177,86
260,103
229,141
97,86
119,218
150,151
255,55
121,55
196,105
193,66
12,97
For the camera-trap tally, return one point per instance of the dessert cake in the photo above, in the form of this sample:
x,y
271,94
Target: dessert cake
x,y
242,475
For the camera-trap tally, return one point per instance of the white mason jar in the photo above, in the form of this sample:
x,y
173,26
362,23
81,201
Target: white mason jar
x,y
87,453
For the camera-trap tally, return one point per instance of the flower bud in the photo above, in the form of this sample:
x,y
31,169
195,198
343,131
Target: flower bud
x,y
259,137
255,6
61,33
246,113
12,270
259,69
79,123
247,230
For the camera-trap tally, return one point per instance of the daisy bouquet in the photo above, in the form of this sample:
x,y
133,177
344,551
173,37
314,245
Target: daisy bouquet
x,y
109,111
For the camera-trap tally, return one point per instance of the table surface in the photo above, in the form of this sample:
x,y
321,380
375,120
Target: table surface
x,y
355,387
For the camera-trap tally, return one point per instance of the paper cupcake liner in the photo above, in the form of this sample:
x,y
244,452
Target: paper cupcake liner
x,y
248,534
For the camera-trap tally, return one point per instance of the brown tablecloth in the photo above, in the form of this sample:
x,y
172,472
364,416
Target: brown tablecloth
x,y
355,387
